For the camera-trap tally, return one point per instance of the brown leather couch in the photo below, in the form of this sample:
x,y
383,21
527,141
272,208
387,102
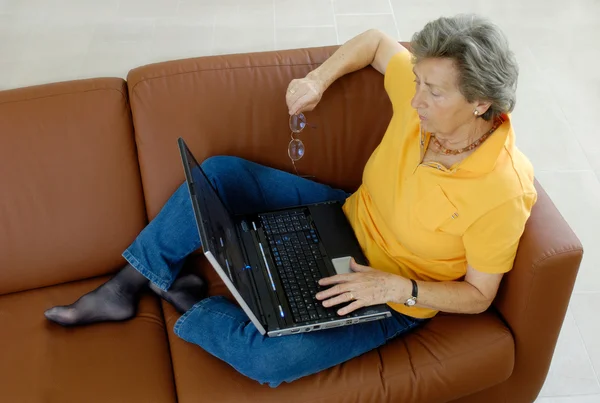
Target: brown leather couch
x,y
85,164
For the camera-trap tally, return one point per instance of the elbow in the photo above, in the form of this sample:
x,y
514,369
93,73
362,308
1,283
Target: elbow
x,y
480,306
373,32
372,39
373,36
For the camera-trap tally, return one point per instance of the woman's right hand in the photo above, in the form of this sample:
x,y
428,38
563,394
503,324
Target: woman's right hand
x,y
303,94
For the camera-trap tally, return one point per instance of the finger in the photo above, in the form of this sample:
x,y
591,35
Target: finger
x,y
298,103
340,299
338,278
359,303
291,97
335,290
305,108
290,100
358,267
306,101
293,84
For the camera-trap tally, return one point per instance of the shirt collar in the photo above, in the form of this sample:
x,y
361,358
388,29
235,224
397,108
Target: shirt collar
x,y
484,158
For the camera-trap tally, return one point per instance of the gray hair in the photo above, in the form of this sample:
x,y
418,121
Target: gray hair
x,y
488,70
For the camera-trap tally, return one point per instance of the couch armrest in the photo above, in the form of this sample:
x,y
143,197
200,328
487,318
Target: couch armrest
x,y
533,297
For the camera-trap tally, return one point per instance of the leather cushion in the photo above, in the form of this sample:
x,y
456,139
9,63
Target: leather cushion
x,y
110,362
452,356
71,197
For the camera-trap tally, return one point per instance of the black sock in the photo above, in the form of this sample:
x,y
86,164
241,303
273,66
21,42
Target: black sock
x,y
184,293
115,300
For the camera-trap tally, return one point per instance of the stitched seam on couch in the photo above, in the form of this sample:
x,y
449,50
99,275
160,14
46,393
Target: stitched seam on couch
x,y
143,80
552,254
541,260
63,93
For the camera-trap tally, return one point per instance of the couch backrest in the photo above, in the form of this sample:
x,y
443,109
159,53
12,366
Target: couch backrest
x,y
70,192
235,105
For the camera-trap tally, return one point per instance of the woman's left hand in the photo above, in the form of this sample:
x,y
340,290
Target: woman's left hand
x,y
366,286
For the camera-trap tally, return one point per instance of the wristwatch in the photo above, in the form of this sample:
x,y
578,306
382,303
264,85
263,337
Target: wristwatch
x,y
412,301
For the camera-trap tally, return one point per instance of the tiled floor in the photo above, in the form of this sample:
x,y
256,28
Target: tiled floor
x,y
556,117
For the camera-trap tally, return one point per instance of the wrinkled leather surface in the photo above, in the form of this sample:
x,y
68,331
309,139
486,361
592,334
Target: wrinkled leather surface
x,y
113,362
71,199
434,364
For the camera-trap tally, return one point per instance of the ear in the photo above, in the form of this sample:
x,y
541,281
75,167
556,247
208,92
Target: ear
x,y
481,107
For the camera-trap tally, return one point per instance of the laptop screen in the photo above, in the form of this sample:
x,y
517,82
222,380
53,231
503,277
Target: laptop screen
x,y
219,234
219,237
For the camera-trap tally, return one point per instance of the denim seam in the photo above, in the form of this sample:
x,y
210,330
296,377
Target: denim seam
x,y
257,182
180,321
200,305
163,285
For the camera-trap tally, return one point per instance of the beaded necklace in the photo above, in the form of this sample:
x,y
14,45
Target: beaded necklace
x,y
471,146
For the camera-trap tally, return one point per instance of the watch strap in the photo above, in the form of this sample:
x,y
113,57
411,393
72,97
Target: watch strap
x,y
415,288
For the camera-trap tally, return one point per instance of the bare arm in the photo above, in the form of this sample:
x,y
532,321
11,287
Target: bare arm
x,y
472,295
372,47
369,286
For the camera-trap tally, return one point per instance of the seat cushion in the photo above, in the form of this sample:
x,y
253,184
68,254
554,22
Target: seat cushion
x,y
450,357
110,362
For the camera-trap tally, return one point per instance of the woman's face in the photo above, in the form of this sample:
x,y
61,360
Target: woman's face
x,y
441,106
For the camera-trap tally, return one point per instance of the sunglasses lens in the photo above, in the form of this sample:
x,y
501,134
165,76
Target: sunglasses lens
x,y
297,122
296,149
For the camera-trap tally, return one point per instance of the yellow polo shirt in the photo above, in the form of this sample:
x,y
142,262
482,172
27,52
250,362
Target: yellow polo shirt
x,y
426,222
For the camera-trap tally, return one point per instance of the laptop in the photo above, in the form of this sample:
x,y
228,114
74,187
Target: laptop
x,y
271,261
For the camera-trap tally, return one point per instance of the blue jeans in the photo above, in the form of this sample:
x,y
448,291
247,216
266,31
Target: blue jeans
x,y
221,327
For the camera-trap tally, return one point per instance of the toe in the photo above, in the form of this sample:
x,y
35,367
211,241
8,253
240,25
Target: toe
x,y
60,315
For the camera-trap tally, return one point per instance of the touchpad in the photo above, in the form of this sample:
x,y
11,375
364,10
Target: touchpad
x,y
342,264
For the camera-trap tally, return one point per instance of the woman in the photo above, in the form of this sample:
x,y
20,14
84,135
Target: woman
x,y
439,215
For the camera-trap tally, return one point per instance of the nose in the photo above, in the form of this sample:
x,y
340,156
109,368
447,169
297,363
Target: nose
x,y
417,102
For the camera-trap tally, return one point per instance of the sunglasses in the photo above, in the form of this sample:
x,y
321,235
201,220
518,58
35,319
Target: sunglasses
x,y
296,146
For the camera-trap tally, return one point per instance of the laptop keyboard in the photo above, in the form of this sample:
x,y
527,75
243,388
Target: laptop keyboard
x,y
295,244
